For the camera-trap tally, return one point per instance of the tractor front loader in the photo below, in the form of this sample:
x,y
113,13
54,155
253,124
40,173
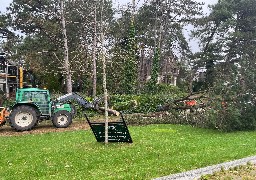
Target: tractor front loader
x,y
117,130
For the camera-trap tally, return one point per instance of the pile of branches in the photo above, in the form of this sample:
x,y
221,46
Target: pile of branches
x,y
193,101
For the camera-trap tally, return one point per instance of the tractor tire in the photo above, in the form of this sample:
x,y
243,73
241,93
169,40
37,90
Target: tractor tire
x,y
23,118
62,119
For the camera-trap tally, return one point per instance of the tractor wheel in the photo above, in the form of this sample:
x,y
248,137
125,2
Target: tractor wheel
x,y
62,119
23,118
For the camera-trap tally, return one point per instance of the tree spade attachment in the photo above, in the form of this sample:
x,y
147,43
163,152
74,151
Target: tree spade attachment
x,y
117,131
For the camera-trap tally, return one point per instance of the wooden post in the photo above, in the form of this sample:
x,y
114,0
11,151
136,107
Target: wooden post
x,y
6,81
21,77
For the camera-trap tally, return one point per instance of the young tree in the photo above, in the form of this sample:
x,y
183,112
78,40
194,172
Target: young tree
x,y
94,74
102,29
66,50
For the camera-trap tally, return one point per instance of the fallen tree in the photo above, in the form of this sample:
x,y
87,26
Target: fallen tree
x,y
192,101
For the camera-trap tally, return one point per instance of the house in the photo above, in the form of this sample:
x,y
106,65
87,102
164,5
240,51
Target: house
x,y
168,72
8,76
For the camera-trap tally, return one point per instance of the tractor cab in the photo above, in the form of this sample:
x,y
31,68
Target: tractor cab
x,y
38,98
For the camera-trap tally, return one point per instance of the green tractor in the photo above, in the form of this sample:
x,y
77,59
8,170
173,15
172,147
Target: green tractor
x,y
33,105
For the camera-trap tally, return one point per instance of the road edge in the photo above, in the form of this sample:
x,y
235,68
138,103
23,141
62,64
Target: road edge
x,y
197,173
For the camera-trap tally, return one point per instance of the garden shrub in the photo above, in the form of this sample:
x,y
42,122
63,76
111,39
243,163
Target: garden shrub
x,y
144,103
248,118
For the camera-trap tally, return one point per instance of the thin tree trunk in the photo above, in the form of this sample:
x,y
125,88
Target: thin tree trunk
x,y
66,57
141,70
104,75
94,74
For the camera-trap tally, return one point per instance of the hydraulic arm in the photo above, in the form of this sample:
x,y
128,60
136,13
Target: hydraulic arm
x,y
79,99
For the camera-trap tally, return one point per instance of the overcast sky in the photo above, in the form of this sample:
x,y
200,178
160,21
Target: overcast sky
x,y
4,4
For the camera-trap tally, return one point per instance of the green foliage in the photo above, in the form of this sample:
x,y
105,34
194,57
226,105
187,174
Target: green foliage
x,y
42,48
53,83
138,104
224,118
129,79
247,118
229,57
198,86
151,85
147,102
156,13
224,115
123,69
6,102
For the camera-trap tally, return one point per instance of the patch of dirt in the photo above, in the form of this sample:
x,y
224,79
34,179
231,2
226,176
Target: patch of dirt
x,y
240,172
44,127
47,126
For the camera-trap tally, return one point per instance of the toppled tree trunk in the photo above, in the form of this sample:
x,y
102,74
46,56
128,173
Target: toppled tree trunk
x,y
110,111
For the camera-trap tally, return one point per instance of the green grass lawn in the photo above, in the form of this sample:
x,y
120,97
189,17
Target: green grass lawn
x,y
158,150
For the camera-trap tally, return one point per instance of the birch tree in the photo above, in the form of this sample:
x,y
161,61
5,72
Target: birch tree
x,y
94,73
66,55
102,29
